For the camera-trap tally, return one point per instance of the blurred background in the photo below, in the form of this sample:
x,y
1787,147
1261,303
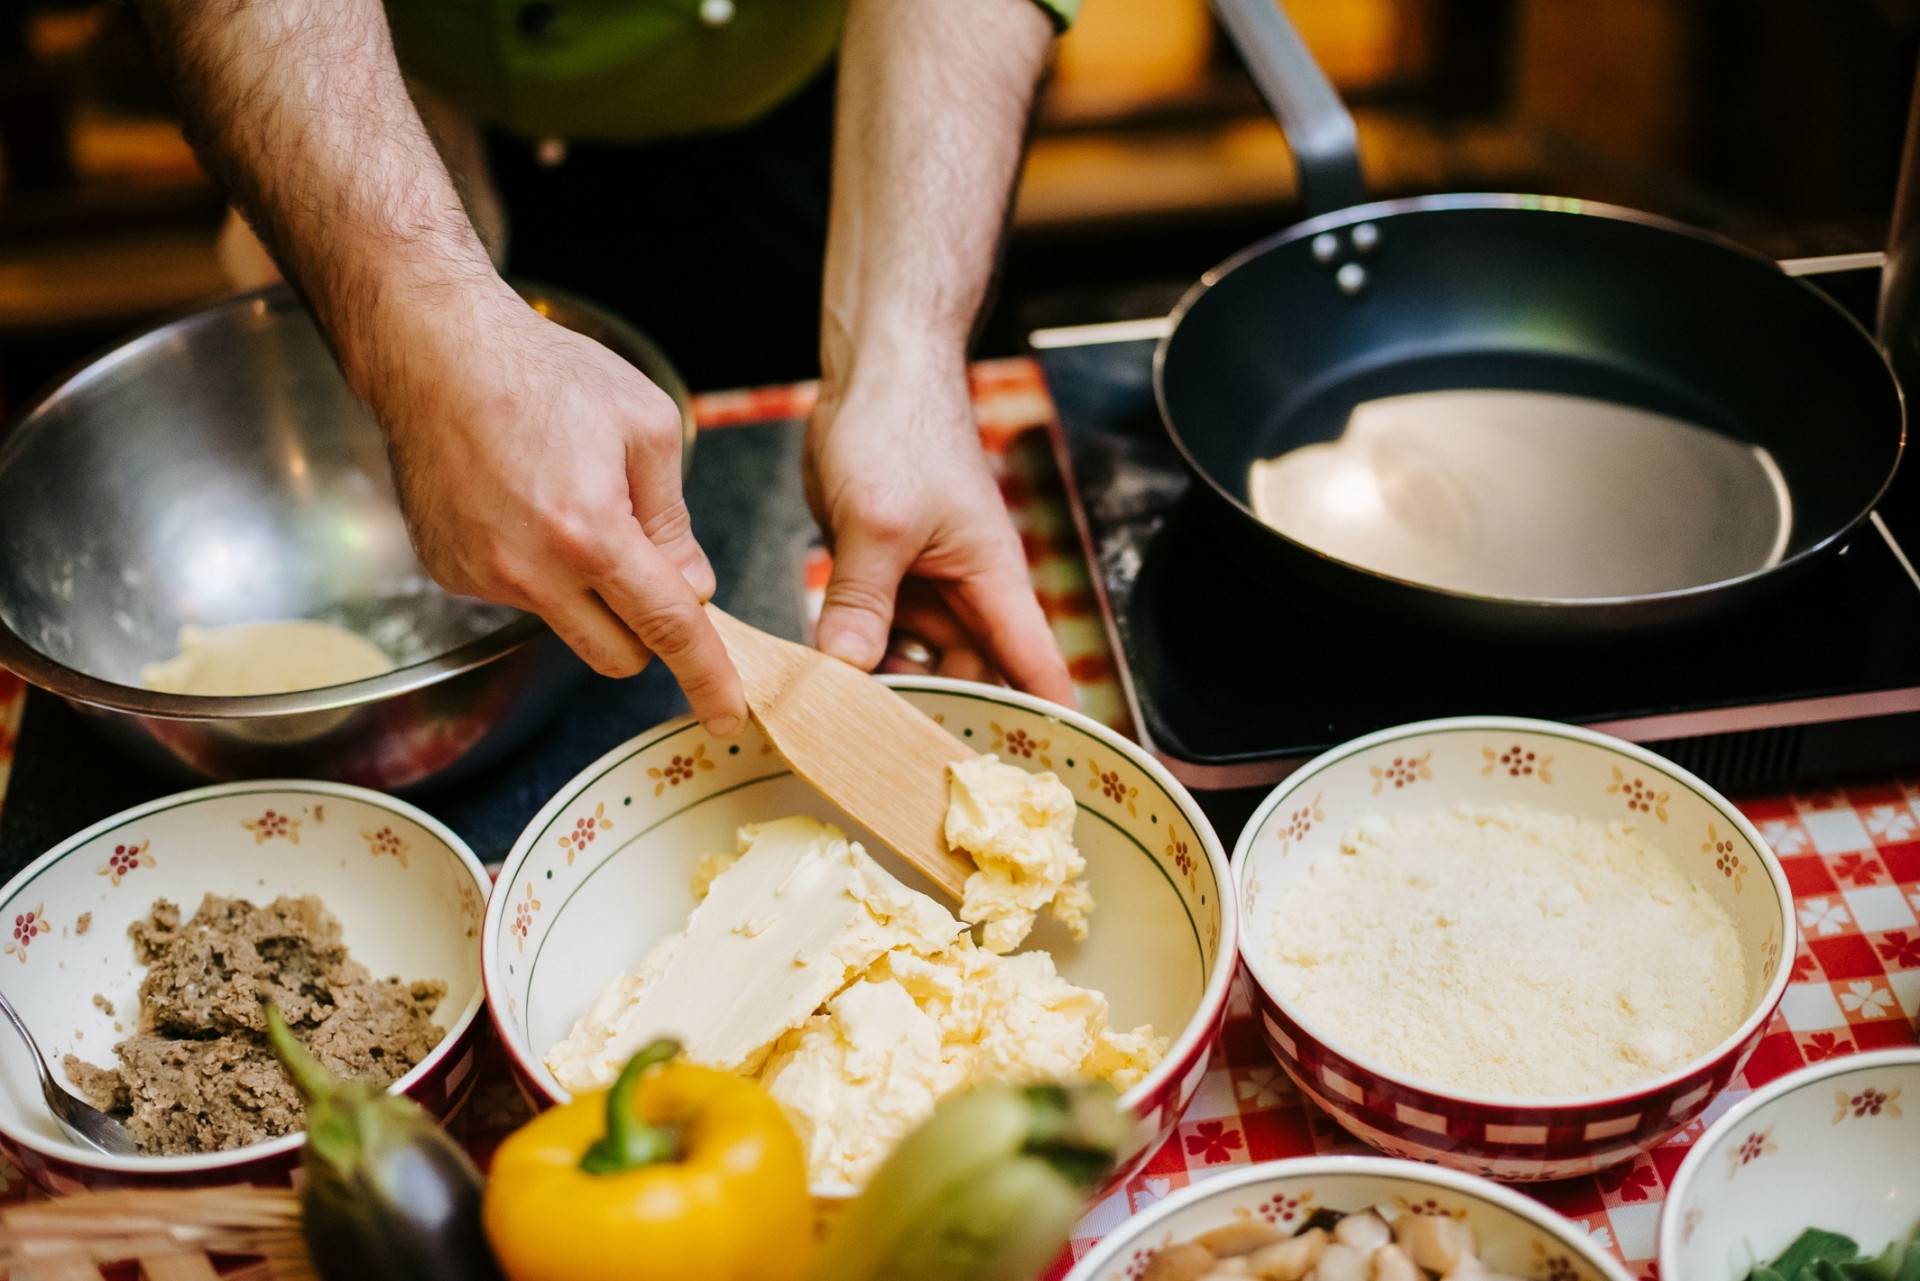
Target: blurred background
x,y
1778,122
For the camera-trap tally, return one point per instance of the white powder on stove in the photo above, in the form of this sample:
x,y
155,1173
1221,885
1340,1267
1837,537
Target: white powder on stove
x,y
1509,951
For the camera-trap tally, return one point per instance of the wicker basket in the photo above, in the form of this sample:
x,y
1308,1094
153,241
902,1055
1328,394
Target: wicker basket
x,y
204,1234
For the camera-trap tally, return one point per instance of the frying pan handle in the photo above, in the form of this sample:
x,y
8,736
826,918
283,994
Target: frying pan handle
x,y
1315,121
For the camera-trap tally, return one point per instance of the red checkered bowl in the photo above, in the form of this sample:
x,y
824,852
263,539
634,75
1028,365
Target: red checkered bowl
x,y
1516,1235
1835,1146
409,895
604,870
1491,760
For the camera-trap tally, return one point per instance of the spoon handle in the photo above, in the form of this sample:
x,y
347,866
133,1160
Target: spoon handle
x,y
39,1059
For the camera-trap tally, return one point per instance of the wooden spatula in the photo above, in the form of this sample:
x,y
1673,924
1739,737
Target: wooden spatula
x,y
859,744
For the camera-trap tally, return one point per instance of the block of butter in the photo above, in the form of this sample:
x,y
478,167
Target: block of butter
x,y
801,913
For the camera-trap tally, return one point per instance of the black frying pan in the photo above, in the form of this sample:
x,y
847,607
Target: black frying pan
x,y
1524,411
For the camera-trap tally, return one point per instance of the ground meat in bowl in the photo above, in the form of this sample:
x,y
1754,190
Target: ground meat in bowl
x,y
197,1075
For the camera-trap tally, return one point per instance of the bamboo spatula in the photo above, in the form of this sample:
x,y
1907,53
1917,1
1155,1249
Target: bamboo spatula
x,y
858,743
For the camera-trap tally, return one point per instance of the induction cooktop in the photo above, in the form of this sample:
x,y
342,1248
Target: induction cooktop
x,y
1235,677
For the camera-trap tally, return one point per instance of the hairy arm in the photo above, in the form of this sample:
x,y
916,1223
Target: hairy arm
x,y
535,467
932,113
300,109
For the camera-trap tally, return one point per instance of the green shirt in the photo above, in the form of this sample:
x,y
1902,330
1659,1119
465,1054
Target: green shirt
x,y
624,70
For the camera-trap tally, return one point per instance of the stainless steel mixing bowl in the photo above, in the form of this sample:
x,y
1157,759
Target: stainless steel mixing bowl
x,y
216,469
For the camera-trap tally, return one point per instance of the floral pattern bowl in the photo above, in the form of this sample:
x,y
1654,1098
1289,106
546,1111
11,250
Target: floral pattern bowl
x,y
1835,1146
605,869
1517,1235
1489,760
409,895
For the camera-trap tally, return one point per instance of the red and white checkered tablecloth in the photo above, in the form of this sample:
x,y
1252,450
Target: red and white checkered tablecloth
x,y
1852,856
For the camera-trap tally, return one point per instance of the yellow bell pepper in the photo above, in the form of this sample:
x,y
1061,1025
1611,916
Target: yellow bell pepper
x,y
677,1173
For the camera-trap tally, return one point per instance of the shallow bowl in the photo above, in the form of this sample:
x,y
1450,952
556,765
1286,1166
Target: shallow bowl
x,y
1517,1235
604,870
409,895
1491,760
1835,1146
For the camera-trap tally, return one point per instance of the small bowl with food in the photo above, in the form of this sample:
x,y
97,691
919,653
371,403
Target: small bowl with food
x,y
1517,948
1344,1218
692,886
138,951
1819,1168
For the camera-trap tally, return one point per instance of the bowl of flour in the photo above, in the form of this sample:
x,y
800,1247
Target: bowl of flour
x,y
1517,948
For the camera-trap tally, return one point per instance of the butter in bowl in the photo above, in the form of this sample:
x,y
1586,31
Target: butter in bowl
x,y
693,887
857,1002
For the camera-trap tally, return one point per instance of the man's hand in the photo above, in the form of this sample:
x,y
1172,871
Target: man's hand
x,y
898,481
540,470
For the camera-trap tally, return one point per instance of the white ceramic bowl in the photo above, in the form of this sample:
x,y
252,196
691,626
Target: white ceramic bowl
x,y
1835,1146
1493,760
408,893
604,870
1517,1235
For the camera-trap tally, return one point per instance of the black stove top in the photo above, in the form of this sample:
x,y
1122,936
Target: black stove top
x,y
1234,680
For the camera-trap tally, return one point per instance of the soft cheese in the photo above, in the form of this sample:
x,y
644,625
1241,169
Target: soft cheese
x,y
870,1067
859,1003
861,1074
797,915
1019,829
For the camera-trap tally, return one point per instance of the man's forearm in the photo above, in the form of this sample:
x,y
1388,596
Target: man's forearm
x,y
932,113
299,107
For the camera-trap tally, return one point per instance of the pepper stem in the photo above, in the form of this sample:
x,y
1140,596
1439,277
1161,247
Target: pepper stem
x,y
629,1142
312,1080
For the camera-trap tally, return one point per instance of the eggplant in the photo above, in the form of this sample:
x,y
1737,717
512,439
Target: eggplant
x,y
389,1195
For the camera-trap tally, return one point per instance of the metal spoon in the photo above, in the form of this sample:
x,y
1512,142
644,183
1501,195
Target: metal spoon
x,y
85,1124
